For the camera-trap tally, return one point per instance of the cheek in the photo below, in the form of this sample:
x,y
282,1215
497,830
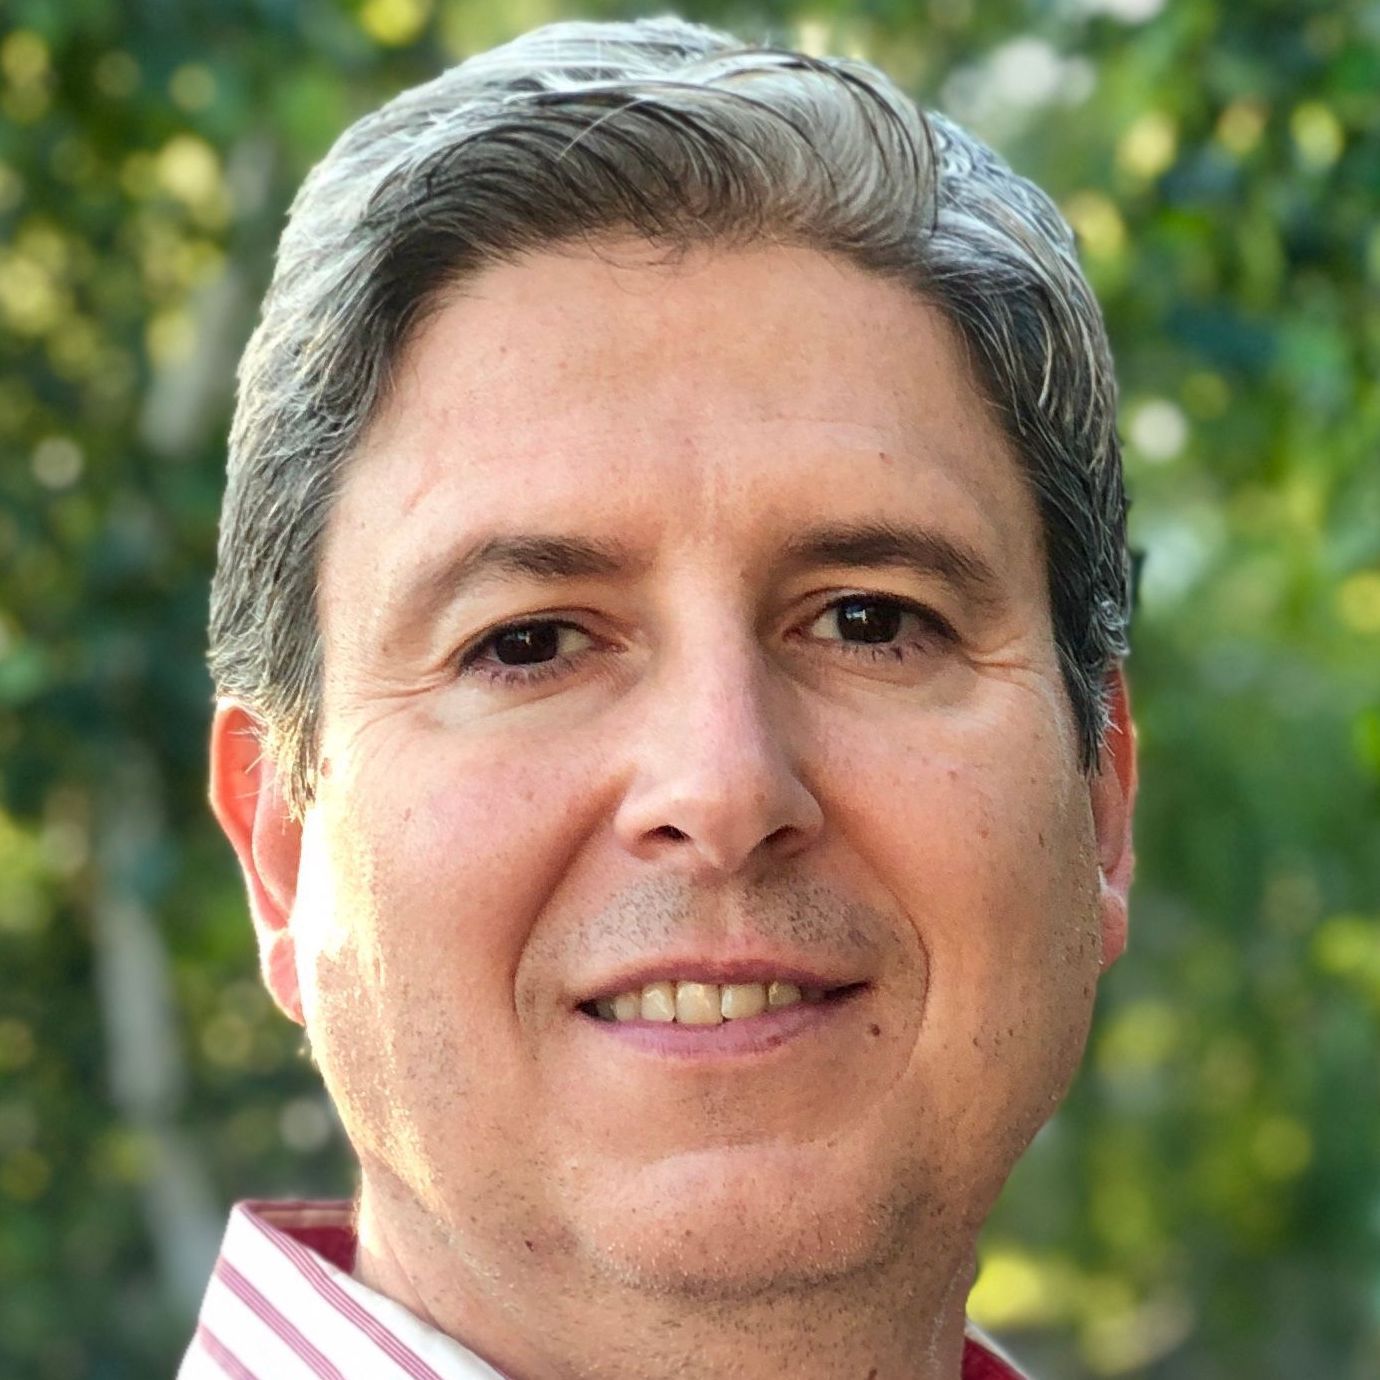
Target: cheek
x,y
423,876
452,842
982,837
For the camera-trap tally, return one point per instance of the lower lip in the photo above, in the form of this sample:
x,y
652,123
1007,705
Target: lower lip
x,y
730,1039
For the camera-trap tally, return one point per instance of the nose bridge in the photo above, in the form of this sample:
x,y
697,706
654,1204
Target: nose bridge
x,y
721,677
716,777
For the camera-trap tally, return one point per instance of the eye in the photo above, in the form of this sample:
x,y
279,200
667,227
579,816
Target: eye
x,y
524,652
876,627
870,621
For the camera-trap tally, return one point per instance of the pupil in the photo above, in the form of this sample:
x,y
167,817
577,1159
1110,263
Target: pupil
x,y
525,646
865,620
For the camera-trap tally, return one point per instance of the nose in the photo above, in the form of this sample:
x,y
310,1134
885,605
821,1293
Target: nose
x,y
716,789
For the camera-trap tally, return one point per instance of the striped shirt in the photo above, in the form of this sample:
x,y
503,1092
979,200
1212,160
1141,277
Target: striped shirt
x,y
282,1305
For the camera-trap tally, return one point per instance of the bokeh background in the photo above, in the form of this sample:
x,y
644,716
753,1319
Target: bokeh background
x,y
1208,1202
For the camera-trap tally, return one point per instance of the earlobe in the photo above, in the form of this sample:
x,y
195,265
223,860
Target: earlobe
x,y
1113,805
248,800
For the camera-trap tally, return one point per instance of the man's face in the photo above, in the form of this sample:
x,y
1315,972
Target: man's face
x,y
690,625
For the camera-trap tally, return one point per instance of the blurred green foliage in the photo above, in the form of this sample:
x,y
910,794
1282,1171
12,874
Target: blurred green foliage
x,y
1208,1201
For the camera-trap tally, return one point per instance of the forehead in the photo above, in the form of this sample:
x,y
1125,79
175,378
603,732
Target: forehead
x,y
723,399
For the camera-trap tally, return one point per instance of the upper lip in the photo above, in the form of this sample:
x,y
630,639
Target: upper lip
x,y
723,971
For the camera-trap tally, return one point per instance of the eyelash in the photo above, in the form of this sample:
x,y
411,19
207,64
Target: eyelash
x,y
534,673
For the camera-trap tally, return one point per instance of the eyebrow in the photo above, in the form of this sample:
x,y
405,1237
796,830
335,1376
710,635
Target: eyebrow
x,y
511,556
550,558
919,550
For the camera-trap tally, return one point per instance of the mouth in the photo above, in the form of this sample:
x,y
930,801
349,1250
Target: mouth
x,y
695,1020
691,1002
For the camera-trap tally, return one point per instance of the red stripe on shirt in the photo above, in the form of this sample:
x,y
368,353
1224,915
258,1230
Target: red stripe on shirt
x,y
222,1355
310,1357
310,1269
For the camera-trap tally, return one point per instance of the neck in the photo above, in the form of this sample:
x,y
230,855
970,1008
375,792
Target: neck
x,y
558,1319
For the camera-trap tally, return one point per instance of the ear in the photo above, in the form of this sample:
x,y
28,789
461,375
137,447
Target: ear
x,y
1113,791
247,799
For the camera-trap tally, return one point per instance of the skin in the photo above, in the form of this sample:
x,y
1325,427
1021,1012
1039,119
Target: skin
x,y
711,765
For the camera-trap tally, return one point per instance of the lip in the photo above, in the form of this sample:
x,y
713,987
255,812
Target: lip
x,y
730,1039
721,971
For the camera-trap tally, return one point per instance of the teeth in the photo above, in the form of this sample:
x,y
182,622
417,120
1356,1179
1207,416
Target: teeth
x,y
782,994
703,1003
627,1006
742,999
697,1003
658,1002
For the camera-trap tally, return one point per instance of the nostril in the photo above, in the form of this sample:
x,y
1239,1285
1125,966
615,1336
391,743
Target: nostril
x,y
669,831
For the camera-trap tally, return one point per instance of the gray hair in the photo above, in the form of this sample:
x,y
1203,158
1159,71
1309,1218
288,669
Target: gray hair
x,y
682,136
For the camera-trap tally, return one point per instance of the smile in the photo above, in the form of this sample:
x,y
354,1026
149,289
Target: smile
x,y
705,1003
712,1021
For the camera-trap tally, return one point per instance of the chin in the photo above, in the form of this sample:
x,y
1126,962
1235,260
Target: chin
x,y
742,1223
